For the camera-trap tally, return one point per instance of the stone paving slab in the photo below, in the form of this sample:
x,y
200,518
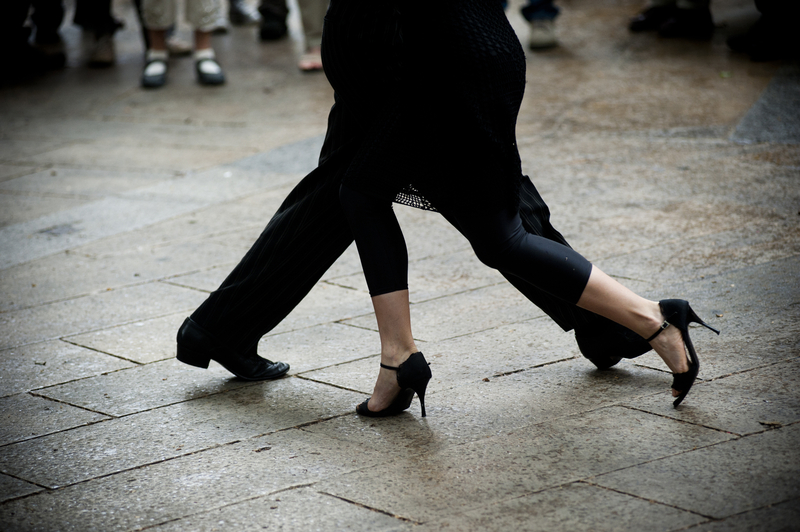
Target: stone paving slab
x,y
172,431
469,411
774,117
45,280
129,210
529,459
13,171
22,150
206,280
710,256
167,382
572,507
327,303
110,154
30,240
470,358
438,276
781,516
47,363
463,313
299,509
726,302
142,342
319,346
11,488
427,233
190,485
743,404
81,181
24,416
346,265
97,311
221,218
18,208
721,480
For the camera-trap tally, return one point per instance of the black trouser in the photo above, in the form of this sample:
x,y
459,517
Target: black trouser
x,y
309,232
496,235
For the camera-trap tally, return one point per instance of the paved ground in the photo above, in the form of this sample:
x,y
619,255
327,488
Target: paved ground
x,y
673,165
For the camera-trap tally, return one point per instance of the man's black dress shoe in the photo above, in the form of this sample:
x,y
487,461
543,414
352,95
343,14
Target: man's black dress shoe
x,y
606,343
197,347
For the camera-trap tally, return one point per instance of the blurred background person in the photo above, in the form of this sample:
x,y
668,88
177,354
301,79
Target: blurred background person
x,y
95,17
690,19
159,16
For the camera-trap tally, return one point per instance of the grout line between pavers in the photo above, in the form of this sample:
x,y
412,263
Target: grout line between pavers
x,y
171,458
111,417
633,495
535,366
241,501
64,339
770,505
378,510
715,429
329,384
365,357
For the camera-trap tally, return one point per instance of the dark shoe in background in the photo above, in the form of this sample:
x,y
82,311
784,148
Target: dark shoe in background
x,y
273,26
651,19
53,55
688,24
103,54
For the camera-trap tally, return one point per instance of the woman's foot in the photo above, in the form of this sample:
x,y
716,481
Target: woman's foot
x,y
386,388
670,347
311,61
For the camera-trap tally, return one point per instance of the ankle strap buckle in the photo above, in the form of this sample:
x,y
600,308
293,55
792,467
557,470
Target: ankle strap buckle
x,y
659,331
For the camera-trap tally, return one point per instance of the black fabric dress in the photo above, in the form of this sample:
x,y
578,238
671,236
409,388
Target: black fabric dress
x,y
404,73
437,87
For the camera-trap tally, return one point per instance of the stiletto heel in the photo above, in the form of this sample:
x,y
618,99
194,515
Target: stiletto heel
x,y
412,377
678,313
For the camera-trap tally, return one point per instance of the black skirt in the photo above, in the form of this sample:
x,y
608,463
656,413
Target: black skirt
x,y
436,88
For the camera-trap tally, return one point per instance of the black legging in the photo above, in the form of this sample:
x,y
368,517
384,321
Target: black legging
x,y
497,237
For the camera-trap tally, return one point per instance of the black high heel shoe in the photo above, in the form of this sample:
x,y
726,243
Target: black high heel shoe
x,y
197,347
412,377
678,313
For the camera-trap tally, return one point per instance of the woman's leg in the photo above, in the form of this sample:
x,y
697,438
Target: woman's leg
x,y
384,259
605,296
397,344
500,241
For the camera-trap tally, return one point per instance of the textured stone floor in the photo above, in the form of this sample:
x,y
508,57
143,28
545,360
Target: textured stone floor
x,y
673,165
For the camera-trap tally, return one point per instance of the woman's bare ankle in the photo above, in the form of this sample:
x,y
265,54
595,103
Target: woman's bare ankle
x,y
395,357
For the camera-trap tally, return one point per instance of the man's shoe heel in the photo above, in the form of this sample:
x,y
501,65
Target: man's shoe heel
x,y
193,359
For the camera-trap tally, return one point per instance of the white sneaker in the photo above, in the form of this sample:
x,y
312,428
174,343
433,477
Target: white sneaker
x,y
542,34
